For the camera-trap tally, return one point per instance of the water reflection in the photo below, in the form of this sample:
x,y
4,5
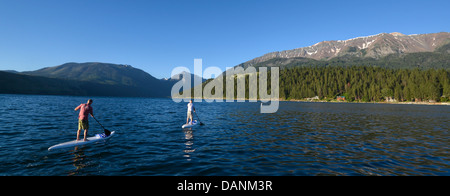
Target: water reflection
x,y
343,139
189,143
300,139
79,161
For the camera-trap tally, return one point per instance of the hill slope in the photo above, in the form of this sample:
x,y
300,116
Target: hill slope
x,y
104,73
374,47
91,79
13,83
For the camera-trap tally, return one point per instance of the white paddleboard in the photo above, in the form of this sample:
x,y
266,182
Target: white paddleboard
x,y
80,142
194,122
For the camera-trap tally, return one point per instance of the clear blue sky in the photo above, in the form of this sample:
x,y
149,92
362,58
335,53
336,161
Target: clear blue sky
x,y
157,36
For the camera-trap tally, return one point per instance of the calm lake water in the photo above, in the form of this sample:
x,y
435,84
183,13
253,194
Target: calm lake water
x,y
300,139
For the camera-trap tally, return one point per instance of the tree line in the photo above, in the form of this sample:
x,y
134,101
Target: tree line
x,y
358,84
365,83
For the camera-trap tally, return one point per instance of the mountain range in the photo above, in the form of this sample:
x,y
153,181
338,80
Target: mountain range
x,y
92,78
390,47
391,50
374,46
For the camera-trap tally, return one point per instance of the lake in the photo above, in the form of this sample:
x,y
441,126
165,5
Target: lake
x,y
301,139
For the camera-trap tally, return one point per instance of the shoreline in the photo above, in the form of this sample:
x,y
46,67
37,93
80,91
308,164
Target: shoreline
x,y
400,103
291,100
334,101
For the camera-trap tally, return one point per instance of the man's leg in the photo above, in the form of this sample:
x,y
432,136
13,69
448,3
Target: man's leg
x,y
85,134
78,134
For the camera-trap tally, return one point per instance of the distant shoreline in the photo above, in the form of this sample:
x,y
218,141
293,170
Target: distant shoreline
x,y
401,103
334,101
291,100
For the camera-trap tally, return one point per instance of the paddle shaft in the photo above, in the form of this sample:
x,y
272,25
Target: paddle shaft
x,y
98,122
198,119
107,132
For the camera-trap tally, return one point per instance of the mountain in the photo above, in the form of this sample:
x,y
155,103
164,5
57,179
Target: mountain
x,y
394,50
13,83
102,79
378,68
376,47
87,79
180,77
103,73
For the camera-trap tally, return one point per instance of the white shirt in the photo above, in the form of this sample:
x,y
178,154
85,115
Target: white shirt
x,y
190,107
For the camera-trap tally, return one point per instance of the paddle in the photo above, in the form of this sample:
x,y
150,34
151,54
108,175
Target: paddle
x,y
107,132
199,119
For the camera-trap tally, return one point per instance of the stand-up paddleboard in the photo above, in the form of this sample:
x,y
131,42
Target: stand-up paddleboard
x,y
91,140
194,122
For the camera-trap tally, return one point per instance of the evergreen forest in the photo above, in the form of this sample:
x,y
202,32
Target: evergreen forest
x,y
365,83
358,84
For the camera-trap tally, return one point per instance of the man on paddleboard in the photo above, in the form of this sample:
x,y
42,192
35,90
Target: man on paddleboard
x,y
83,123
191,108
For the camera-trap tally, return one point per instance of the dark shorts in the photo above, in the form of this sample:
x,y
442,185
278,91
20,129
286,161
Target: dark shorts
x,y
83,124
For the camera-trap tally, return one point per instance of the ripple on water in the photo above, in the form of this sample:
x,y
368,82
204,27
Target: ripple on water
x,y
300,139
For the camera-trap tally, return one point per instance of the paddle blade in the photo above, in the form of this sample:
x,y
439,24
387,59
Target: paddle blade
x,y
202,123
107,132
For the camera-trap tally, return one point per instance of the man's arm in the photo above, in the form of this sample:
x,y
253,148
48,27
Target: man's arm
x,y
78,107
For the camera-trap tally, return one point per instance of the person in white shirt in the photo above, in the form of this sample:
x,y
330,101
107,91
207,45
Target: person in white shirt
x,y
191,108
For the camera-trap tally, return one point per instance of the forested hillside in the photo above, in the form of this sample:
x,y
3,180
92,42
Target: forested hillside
x,y
365,83
358,83
92,79
418,76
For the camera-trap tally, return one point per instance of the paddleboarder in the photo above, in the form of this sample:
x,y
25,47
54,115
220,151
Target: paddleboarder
x,y
191,108
83,123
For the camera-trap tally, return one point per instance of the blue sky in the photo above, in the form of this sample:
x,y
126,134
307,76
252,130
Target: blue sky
x,y
157,36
